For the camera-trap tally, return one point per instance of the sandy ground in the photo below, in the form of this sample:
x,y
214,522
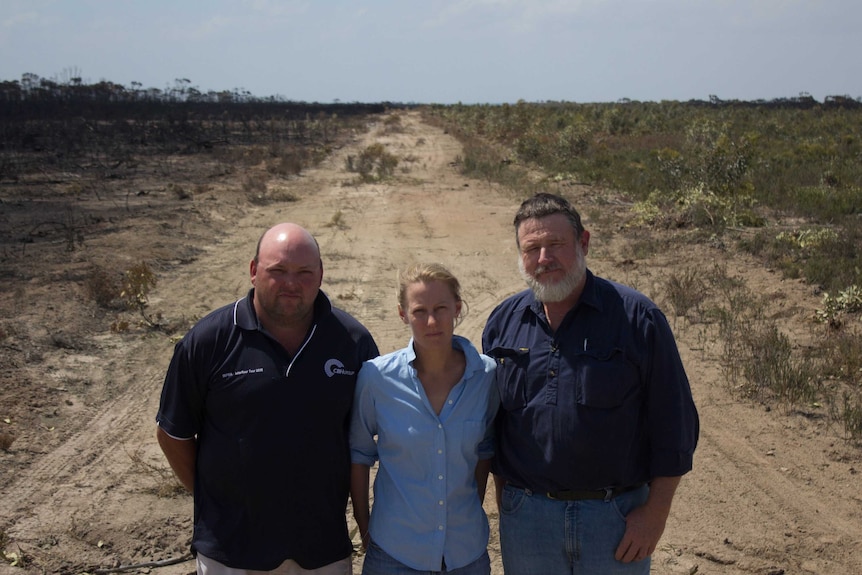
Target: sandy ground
x,y
82,486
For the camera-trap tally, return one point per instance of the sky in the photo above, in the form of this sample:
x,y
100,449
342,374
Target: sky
x,y
445,51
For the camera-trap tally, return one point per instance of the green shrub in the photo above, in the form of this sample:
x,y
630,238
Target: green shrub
x,y
374,163
721,167
825,203
835,307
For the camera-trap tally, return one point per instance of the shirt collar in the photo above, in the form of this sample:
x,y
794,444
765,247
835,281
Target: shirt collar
x,y
590,295
474,362
243,312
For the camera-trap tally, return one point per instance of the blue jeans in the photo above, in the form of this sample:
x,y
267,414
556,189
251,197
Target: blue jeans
x,y
541,536
379,562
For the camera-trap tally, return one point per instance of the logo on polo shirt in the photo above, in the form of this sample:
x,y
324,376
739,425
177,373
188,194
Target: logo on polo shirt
x,y
335,367
228,374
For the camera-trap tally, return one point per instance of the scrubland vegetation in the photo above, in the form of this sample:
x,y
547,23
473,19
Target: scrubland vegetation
x,y
779,179
124,211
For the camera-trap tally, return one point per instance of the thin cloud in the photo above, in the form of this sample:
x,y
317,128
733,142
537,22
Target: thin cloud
x,y
518,16
209,28
21,20
276,9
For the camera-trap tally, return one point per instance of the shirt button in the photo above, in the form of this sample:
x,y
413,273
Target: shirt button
x,y
439,451
439,528
439,426
440,477
450,402
553,373
440,502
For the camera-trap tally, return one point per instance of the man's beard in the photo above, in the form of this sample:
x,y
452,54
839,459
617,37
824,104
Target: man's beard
x,y
555,292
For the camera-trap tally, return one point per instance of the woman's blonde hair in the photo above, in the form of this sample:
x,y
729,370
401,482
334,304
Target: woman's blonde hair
x,y
427,273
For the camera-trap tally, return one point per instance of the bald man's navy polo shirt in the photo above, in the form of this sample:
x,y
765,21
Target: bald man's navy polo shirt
x,y
273,463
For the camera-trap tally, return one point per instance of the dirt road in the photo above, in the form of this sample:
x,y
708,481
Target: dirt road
x,y
770,493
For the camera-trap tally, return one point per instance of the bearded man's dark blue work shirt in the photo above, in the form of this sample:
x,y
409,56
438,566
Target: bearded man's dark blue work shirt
x,y
273,463
601,402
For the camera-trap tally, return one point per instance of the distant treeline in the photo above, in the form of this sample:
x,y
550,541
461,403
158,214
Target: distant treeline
x,y
801,102
43,99
33,93
71,119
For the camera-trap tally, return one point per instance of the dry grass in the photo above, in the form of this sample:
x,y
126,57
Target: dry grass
x,y
165,481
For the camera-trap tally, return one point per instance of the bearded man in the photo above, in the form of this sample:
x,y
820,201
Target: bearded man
x,y
597,424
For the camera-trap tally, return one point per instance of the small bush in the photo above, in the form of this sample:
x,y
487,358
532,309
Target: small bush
x,y
119,325
841,351
696,206
374,163
685,291
6,441
392,125
103,288
851,416
137,283
769,367
290,162
337,221
254,186
835,307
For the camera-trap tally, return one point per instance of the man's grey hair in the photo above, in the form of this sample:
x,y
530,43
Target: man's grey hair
x,y
542,205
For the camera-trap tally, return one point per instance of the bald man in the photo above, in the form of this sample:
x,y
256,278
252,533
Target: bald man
x,y
254,416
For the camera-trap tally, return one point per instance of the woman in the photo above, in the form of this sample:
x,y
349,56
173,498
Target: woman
x,y
430,406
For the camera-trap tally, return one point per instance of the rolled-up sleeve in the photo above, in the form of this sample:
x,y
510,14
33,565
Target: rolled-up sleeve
x,y
363,420
674,425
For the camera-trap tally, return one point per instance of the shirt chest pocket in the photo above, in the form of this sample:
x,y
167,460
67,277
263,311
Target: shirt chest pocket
x,y
605,379
511,376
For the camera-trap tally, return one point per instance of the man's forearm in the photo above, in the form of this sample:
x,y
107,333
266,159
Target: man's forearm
x,y
360,481
483,468
181,455
499,483
661,493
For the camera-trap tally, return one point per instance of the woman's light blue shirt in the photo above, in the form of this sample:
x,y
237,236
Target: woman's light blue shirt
x,y
426,507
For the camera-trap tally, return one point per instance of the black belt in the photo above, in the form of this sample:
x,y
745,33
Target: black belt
x,y
580,494
607,494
